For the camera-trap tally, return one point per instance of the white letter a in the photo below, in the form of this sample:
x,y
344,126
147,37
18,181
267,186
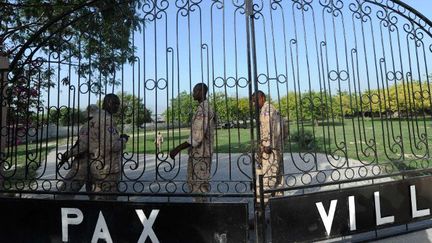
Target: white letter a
x,y
101,230
327,218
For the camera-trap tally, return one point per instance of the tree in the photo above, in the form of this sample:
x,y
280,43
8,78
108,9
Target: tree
x,y
23,100
289,106
181,109
66,116
71,116
343,104
405,97
73,29
410,97
225,107
93,36
242,109
316,106
132,110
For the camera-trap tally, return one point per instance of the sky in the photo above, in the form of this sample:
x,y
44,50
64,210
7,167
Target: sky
x,y
296,51
423,6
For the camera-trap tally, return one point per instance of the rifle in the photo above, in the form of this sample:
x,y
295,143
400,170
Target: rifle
x,y
65,157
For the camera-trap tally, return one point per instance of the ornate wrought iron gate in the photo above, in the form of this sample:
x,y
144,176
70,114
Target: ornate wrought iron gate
x,y
350,80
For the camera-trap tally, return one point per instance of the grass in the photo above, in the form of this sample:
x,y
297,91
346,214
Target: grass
x,y
376,140
367,140
22,161
226,140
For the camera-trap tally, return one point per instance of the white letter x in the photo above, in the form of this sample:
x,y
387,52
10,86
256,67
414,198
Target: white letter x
x,y
148,225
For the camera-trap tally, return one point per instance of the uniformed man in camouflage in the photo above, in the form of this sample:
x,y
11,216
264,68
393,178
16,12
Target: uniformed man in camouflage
x,y
104,145
79,173
270,153
200,144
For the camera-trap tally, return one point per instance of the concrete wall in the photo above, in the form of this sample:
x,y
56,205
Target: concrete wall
x,y
50,132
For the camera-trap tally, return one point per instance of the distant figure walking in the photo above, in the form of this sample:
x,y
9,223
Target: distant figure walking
x,y
159,141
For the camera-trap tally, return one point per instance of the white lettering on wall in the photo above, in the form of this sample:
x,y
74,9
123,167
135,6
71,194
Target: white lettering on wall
x,y
148,225
416,213
352,213
381,220
66,220
327,218
101,230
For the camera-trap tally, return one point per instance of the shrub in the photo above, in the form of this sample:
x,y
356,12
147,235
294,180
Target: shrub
x,y
304,139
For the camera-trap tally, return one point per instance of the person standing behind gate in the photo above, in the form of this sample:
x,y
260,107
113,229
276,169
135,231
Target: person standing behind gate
x,y
78,174
270,154
200,144
159,141
106,146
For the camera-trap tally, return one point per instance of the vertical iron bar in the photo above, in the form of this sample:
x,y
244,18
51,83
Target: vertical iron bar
x,y
249,61
252,75
4,66
261,219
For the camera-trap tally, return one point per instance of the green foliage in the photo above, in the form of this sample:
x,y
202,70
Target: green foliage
x,y
344,105
402,98
181,109
317,106
97,33
132,111
100,30
307,106
242,109
289,106
305,139
23,99
228,109
66,116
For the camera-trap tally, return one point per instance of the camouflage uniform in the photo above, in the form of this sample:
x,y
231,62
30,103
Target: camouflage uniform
x,y
78,173
270,165
201,150
105,147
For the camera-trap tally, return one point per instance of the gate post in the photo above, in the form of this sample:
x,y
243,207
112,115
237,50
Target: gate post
x,y
259,209
4,68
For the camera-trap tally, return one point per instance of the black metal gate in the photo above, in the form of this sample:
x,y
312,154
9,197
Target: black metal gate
x,y
348,80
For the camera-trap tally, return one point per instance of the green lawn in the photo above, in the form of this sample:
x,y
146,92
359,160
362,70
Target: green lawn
x,y
233,140
368,140
23,160
376,140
